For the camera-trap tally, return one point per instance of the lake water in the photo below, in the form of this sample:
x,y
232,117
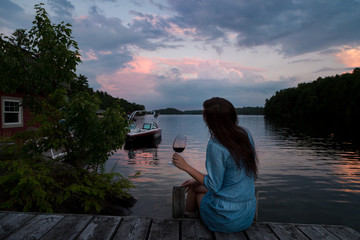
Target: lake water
x,y
302,179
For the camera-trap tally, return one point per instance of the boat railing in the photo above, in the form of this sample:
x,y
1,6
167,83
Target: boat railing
x,y
132,115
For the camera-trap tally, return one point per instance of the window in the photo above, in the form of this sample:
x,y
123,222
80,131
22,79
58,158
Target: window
x,y
11,112
147,126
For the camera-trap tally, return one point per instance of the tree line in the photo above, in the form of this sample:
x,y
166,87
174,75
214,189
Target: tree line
x,y
331,103
107,101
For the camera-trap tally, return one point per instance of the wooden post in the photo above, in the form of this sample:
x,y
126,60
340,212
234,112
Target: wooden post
x,y
178,202
257,205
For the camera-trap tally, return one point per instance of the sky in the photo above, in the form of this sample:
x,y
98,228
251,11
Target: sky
x,y
178,53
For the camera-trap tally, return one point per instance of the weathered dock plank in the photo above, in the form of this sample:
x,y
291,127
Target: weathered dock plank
x,y
12,222
68,228
166,229
344,232
194,229
133,229
36,227
101,227
316,232
287,231
230,236
259,231
72,226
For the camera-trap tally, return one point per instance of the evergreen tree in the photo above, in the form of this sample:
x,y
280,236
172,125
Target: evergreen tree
x,y
330,102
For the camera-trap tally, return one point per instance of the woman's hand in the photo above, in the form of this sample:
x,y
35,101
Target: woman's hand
x,y
179,162
190,184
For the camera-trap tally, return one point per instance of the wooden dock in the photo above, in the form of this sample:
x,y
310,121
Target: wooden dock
x,y
15,225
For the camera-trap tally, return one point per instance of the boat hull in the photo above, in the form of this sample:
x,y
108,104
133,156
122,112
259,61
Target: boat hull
x,y
141,143
151,135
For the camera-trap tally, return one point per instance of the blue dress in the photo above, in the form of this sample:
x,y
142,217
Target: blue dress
x,y
229,205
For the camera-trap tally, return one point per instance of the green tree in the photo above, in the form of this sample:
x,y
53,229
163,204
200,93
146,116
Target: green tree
x,y
80,84
41,63
41,60
331,103
63,105
108,101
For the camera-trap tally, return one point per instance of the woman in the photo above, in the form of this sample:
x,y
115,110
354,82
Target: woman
x,y
225,196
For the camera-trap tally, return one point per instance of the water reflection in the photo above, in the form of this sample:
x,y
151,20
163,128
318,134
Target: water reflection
x,y
143,151
316,155
313,177
302,178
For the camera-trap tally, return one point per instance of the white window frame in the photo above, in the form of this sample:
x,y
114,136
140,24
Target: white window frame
x,y
20,123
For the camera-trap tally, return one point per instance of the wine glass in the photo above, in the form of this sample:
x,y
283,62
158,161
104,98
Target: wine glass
x,y
179,144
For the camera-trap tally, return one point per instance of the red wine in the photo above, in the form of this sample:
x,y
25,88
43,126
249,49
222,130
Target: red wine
x,y
178,149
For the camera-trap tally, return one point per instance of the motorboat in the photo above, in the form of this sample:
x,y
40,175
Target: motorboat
x,y
143,127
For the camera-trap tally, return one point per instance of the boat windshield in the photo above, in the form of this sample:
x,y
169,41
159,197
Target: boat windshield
x,y
147,126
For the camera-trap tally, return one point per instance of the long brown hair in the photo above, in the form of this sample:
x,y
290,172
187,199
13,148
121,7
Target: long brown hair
x,y
221,118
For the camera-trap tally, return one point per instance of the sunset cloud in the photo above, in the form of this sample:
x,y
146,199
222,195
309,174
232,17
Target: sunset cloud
x,y
89,55
295,27
180,81
350,56
176,53
132,81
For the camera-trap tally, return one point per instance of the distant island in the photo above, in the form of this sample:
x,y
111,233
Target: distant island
x,y
239,111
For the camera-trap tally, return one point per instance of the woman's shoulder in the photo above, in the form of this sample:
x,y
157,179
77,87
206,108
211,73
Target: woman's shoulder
x,y
216,145
214,142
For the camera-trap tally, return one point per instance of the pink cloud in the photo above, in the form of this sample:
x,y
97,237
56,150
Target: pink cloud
x,y
141,65
349,56
143,74
88,55
194,65
172,28
186,65
92,55
177,30
214,69
130,82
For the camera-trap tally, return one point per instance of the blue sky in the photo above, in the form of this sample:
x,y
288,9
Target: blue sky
x,y
177,53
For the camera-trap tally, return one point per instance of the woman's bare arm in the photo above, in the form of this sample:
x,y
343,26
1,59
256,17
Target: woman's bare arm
x,y
180,163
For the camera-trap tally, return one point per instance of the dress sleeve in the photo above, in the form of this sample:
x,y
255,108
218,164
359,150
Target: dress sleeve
x,y
215,166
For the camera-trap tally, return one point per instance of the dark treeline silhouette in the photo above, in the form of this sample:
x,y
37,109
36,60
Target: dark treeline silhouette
x,y
169,111
240,111
331,104
107,101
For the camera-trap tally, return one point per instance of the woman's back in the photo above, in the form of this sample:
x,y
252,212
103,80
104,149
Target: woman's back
x,y
230,203
235,184
226,194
